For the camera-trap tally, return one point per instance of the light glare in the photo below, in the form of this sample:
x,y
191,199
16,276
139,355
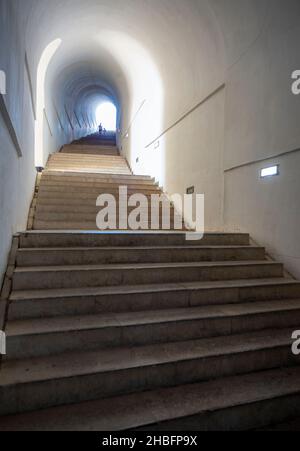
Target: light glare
x,y
106,114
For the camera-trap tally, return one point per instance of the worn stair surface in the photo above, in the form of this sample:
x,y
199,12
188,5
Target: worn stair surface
x,y
115,331
75,177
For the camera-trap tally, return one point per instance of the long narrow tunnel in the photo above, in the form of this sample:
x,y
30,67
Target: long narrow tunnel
x,y
201,101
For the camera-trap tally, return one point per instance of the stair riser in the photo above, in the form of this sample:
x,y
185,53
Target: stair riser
x,y
105,163
136,276
78,160
239,418
39,395
106,256
63,204
81,209
102,239
99,167
52,178
85,181
91,152
90,226
88,195
78,157
87,160
102,188
52,307
54,343
89,169
83,217
101,163
106,147
129,178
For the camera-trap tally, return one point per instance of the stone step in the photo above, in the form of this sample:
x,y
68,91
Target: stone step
x,y
130,274
44,195
90,164
102,300
86,201
241,404
108,162
60,175
67,158
84,151
154,254
74,191
113,167
86,145
49,336
92,170
85,157
100,187
84,216
83,208
85,226
108,184
90,150
43,382
112,239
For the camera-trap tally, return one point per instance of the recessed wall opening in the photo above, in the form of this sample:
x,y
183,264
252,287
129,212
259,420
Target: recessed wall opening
x,y
106,115
270,171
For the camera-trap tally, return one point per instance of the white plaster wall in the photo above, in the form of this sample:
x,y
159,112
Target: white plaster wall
x,y
191,154
267,207
17,175
262,122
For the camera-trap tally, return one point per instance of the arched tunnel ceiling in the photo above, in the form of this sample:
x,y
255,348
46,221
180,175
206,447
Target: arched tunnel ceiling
x,y
214,39
83,77
123,46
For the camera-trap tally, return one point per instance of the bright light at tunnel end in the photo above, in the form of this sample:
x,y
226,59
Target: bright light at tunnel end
x,y
106,114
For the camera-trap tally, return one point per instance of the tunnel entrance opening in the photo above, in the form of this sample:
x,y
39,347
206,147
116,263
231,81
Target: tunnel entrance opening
x,y
106,115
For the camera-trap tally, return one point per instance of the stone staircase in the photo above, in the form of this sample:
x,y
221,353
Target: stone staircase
x,y
143,330
74,178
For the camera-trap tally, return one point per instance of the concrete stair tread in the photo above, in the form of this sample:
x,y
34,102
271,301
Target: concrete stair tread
x,y
131,254
143,409
53,173
31,238
61,155
137,248
71,225
78,364
128,232
90,322
143,266
154,288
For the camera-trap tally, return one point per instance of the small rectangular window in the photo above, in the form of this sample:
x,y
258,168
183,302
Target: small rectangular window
x,y
270,171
